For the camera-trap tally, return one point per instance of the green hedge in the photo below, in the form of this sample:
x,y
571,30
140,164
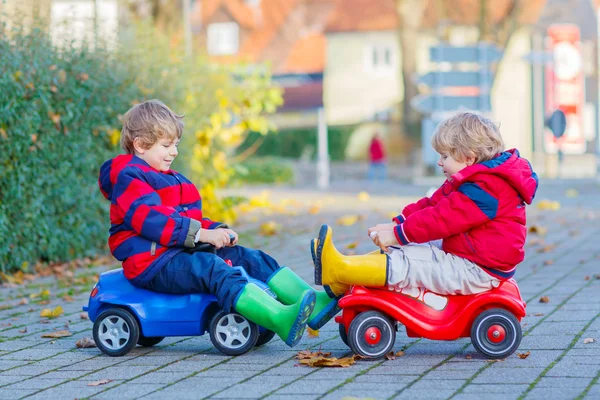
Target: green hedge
x,y
58,115
263,171
293,143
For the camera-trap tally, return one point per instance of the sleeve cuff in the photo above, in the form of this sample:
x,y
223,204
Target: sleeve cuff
x,y
191,235
216,225
399,219
400,235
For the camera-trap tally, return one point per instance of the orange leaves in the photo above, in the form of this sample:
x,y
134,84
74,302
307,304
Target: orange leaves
x,y
523,356
538,230
85,343
545,299
392,356
320,359
57,334
100,382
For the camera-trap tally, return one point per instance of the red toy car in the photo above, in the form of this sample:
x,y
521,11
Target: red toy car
x,y
369,316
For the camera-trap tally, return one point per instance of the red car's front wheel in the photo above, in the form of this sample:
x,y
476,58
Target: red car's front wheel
x,y
496,333
371,334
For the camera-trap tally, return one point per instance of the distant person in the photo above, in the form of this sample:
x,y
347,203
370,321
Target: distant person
x,y
377,164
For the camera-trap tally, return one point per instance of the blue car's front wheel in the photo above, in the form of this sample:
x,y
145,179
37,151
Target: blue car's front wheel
x,y
232,334
116,332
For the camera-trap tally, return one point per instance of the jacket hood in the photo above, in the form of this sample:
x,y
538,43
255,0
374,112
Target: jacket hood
x,y
109,172
509,166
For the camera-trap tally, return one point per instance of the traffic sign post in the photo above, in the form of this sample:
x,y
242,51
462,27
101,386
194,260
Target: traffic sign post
x,y
454,89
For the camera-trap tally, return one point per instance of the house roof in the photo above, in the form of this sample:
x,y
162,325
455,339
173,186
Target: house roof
x,y
380,15
271,25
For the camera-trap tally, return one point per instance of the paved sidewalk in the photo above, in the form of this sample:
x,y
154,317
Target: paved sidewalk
x,y
560,365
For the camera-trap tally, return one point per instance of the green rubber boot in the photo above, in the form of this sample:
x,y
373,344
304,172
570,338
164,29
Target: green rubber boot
x,y
289,287
287,321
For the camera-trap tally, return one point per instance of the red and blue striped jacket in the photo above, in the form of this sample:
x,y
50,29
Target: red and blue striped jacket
x,y
479,213
154,215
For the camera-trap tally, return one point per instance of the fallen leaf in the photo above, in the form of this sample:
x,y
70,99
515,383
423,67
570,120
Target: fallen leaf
x,y
57,334
312,332
588,340
547,249
587,278
347,220
321,361
67,298
468,356
523,356
23,330
399,353
44,294
548,205
85,343
269,228
352,245
306,354
571,193
363,196
100,382
548,262
539,314
23,301
57,312
545,299
84,315
390,356
314,210
538,230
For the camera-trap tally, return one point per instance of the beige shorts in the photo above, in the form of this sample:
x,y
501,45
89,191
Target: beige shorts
x,y
428,266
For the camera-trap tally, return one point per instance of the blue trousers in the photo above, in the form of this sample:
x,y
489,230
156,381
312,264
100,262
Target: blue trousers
x,y
208,273
377,170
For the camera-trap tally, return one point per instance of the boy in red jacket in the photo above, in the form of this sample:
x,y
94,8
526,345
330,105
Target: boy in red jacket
x,y
465,239
156,221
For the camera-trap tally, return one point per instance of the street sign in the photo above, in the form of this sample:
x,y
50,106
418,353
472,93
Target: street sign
x,y
428,103
456,78
557,123
453,89
474,54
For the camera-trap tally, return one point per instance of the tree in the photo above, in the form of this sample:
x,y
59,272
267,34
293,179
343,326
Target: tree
x,y
410,16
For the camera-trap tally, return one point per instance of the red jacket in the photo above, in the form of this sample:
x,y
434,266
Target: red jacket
x,y
376,151
479,214
154,215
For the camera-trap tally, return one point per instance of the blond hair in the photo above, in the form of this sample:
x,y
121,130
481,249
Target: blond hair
x,y
467,134
150,121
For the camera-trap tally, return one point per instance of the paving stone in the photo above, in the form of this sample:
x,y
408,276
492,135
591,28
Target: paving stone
x,y
563,382
307,387
159,377
543,342
563,369
544,393
512,375
13,394
429,385
128,391
119,372
71,390
417,394
36,383
474,388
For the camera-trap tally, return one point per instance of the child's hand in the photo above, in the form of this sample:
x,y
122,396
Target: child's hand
x,y
231,233
217,237
381,227
383,239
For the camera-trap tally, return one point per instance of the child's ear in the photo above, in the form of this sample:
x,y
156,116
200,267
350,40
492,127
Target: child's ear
x,y
470,161
137,146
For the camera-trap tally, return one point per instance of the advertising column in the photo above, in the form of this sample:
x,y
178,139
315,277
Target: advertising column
x,y
565,88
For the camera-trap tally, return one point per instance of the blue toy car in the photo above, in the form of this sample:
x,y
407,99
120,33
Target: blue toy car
x,y
125,316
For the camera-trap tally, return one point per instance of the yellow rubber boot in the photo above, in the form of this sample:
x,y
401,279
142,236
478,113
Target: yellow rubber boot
x,y
331,267
333,289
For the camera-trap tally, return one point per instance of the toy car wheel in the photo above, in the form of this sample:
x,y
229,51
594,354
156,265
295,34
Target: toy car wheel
x,y
371,334
149,341
232,334
496,333
264,337
343,334
116,332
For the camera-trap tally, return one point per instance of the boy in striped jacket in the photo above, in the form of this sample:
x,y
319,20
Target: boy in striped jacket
x,y
464,239
156,221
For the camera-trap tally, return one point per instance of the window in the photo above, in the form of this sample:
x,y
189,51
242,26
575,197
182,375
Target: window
x,y
223,38
379,58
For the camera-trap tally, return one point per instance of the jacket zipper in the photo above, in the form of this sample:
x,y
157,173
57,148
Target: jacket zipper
x,y
469,243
